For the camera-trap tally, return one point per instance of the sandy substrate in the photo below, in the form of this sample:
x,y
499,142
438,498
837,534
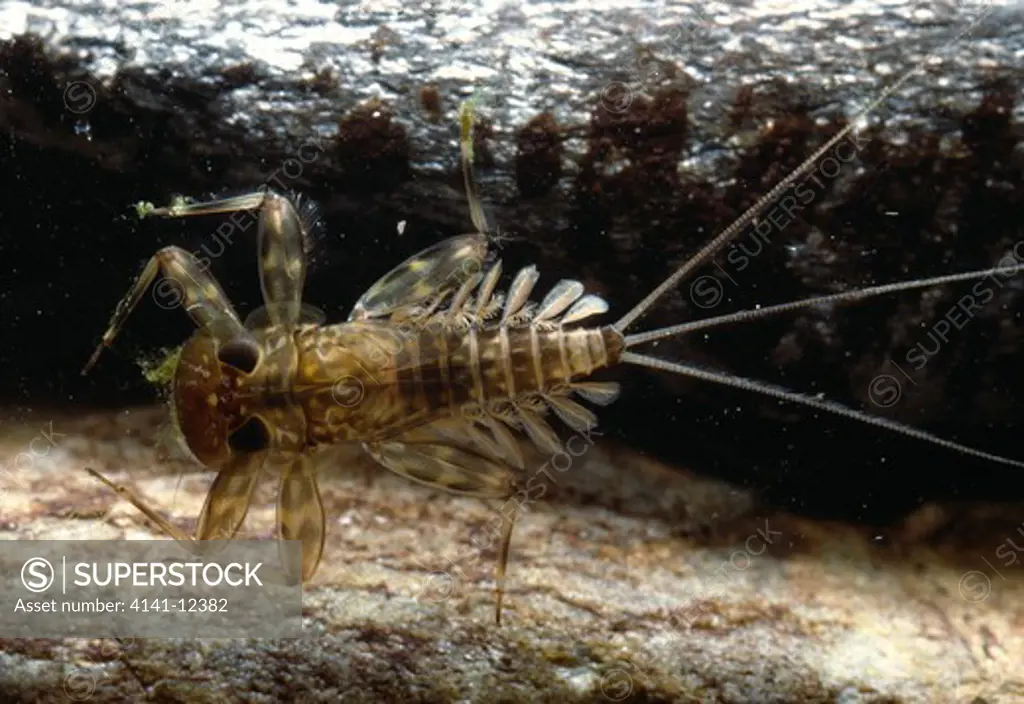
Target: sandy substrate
x,y
629,581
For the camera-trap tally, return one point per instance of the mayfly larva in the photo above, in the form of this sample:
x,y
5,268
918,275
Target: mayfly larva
x,y
471,365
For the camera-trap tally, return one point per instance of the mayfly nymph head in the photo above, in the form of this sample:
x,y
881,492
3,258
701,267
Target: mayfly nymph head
x,y
206,403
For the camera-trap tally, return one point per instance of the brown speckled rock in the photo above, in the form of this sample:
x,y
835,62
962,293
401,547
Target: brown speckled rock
x,y
629,582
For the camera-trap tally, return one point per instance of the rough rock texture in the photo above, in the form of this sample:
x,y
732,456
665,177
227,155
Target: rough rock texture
x,y
613,141
629,582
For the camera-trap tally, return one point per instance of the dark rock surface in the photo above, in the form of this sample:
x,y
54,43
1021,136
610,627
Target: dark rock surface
x,y
613,142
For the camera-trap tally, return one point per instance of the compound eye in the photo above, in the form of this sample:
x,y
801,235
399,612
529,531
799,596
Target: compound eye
x,y
252,436
241,353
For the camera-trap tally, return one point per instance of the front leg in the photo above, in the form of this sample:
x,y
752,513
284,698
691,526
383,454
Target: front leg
x,y
300,516
283,236
191,285
227,503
